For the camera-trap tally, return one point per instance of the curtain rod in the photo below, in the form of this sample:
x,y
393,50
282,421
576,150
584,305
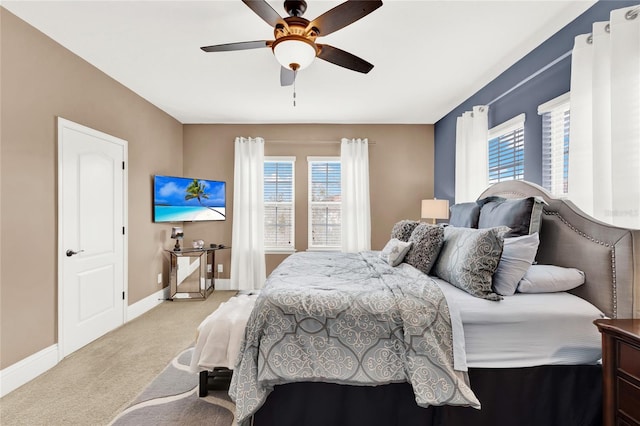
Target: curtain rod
x,y
307,141
631,14
532,76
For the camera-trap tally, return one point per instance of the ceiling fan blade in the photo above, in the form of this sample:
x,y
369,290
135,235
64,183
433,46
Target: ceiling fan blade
x,y
265,11
287,76
244,45
344,59
343,15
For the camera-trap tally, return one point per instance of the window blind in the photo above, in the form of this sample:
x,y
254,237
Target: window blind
x,y
556,118
279,202
506,151
325,199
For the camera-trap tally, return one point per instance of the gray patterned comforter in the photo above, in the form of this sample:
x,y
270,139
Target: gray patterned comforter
x,y
348,318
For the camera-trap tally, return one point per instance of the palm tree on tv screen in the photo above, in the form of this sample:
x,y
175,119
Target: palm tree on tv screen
x,y
196,190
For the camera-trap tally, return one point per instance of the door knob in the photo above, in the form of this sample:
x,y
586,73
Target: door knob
x,y
71,252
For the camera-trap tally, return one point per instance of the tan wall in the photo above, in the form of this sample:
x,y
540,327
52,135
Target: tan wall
x,y
40,80
400,162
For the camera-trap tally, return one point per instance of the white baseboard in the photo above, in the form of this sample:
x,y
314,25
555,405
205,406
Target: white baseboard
x,y
27,369
223,284
146,304
31,367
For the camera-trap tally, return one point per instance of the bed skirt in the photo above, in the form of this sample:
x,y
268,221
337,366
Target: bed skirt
x,y
546,395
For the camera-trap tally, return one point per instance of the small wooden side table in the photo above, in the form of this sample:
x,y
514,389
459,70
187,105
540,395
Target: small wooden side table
x,y
620,371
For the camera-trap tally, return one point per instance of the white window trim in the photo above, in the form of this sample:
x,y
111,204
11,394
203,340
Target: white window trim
x,y
334,158
292,249
279,250
508,126
311,159
280,158
555,103
322,248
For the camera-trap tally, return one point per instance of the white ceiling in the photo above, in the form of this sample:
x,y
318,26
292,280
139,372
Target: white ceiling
x,y
429,56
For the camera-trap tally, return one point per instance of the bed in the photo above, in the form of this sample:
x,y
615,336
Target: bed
x,y
514,385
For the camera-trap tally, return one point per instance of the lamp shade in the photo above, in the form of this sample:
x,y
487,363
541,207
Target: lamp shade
x,y
435,209
294,53
177,233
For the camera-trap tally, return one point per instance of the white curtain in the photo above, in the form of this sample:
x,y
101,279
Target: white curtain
x,y
604,142
472,154
248,270
356,210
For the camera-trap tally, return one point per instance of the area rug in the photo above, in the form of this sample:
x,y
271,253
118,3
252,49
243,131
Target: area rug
x,y
172,399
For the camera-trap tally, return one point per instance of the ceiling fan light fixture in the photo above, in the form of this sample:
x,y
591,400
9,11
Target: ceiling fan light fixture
x,y
294,53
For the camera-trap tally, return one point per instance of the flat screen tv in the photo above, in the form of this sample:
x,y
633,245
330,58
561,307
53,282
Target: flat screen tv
x,y
183,199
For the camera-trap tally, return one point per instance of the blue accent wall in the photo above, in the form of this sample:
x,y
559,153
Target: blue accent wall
x,y
551,83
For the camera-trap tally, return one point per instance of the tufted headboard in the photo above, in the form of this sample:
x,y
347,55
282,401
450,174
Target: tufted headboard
x,y
608,255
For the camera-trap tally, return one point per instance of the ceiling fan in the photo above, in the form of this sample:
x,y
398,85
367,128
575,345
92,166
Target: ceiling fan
x,y
295,45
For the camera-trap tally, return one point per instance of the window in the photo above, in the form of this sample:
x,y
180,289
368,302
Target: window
x,y
279,202
506,151
556,117
325,199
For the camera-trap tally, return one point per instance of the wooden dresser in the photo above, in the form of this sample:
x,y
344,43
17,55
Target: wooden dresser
x,y
621,371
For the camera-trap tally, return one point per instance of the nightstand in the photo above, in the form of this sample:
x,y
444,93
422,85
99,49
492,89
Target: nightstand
x,y
620,371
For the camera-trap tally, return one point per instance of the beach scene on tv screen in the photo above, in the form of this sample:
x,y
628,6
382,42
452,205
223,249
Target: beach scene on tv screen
x,y
178,199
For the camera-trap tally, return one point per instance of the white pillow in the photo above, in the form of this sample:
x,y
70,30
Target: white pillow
x,y
550,279
518,254
394,252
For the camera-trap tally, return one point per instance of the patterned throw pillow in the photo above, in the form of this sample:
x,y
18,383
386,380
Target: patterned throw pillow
x,y
395,251
427,241
403,229
469,257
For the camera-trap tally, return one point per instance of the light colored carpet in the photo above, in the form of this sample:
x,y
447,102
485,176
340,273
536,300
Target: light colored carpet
x,y
95,383
172,399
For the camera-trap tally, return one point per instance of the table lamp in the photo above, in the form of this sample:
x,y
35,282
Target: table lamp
x,y
177,234
435,209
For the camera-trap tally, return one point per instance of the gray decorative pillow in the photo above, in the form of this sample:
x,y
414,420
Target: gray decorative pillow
x,y
427,241
518,254
469,258
464,215
395,251
403,229
522,215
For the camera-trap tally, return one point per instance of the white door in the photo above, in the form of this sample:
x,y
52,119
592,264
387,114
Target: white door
x,y
91,234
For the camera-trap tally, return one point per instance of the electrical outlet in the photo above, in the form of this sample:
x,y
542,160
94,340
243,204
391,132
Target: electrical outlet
x,y
160,278
209,268
220,268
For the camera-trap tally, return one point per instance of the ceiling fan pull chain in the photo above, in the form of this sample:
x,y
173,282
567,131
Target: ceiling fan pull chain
x,y
295,74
